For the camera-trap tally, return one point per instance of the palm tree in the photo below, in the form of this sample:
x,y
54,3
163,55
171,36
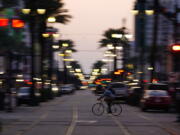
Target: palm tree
x,y
64,46
122,41
9,3
53,8
75,64
37,22
69,43
108,39
98,64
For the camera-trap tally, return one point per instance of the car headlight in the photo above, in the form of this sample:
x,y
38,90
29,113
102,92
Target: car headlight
x,y
55,89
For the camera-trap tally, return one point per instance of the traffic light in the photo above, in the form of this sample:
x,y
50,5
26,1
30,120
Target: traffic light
x,y
175,48
4,22
17,23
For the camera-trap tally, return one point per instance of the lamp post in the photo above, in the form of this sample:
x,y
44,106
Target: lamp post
x,y
34,23
47,66
123,47
64,54
140,11
141,14
155,37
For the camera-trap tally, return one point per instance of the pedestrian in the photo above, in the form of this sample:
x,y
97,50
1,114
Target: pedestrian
x,y
178,104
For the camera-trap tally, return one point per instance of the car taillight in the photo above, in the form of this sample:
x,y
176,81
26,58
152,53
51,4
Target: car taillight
x,y
166,99
149,99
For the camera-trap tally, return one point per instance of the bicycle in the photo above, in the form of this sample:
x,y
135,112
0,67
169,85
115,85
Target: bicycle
x,y
99,108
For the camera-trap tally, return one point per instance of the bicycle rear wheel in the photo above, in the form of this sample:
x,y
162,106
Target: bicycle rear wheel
x,y
98,109
116,109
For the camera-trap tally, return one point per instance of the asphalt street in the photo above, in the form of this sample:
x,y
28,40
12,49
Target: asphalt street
x,y
71,115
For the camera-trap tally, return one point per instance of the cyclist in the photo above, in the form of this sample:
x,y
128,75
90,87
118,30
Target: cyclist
x,y
108,96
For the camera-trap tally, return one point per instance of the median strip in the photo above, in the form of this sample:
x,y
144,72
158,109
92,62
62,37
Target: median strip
x,y
73,123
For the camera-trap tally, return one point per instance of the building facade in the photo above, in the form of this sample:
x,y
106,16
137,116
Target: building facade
x,y
164,36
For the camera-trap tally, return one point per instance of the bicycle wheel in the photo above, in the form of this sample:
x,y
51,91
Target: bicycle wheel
x,y
98,109
116,109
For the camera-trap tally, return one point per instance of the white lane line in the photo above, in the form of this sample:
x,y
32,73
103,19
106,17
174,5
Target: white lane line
x,y
168,130
121,126
73,123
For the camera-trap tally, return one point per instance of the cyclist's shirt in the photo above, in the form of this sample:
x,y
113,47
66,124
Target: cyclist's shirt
x,y
108,94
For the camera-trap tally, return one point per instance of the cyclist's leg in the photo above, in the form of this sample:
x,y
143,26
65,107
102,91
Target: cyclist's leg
x,y
108,102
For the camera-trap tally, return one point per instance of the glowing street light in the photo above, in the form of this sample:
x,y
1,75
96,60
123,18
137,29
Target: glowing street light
x,y
51,20
65,44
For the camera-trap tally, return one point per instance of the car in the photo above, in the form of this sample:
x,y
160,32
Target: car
x,y
155,99
134,95
83,87
120,90
156,86
66,89
24,96
55,90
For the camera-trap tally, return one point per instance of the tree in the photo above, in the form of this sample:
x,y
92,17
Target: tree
x,y
53,8
98,64
108,39
70,45
9,3
121,40
75,64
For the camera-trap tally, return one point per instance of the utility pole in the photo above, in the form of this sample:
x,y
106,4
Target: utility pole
x,y
155,37
177,23
141,8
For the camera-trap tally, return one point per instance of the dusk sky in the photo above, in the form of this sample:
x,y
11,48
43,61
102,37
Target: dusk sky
x,y
90,19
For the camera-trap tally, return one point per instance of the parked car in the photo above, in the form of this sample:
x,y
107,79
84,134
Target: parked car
x,y
134,95
155,99
120,90
24,97
55,90
66,89
156,86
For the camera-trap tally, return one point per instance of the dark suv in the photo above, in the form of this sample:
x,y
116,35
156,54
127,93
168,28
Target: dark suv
x,y
120,90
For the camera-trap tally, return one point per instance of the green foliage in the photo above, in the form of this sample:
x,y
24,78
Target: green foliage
x,y
99,64
70,45
9,42
53,8
75,64
108,39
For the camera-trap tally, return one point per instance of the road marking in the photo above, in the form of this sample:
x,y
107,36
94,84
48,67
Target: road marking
x,y
32,125
86,121
73,123
121,126
168,130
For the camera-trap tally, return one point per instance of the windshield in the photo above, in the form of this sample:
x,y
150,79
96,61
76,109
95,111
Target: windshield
x,y
158,93
158,87
24,90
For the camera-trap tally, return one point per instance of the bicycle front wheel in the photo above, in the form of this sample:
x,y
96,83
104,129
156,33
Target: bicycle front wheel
x,y
116,109
98,109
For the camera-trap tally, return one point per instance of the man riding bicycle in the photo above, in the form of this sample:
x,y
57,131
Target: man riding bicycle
x,y
108,96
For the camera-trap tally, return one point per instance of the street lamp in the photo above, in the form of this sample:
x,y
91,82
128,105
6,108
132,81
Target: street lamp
x,y
115,47
51,20
48,55
34,23
64,55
